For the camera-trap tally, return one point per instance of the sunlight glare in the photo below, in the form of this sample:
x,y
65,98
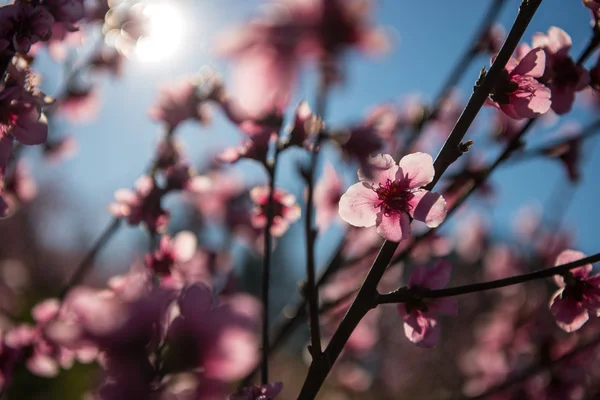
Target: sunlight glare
x,y
165,33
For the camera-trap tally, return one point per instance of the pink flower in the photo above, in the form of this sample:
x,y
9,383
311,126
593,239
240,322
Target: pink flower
x,y
179,102
579,293
393,195
594,6
22,25
328,192
79,104
420,316
21,116
285,209
258,392
517,92
143,204
19,186
267,52
306,124
492,39
180,248
561,74
67,12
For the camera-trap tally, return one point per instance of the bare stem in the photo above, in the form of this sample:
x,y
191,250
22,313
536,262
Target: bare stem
x,y
86,263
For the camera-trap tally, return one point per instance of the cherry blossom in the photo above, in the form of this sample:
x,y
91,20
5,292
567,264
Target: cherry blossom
x,y
180,248
258,392
179,102
328,191
393,195
518,94
562,76
420,316
143,204
22,25
579,293
285,209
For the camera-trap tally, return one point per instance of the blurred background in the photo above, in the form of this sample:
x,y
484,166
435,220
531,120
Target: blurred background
x,y
41,243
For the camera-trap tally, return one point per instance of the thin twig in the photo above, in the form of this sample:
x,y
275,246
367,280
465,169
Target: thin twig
x,y
86,263
406,294
452,149
309,290
268,249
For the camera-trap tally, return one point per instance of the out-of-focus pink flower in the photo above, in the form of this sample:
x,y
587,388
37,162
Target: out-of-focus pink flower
x,y
22,25
569,152
505,127
393,195
21,116
492,39
471,236
594,6
561,74
256,147
67,12
517,92
19,186
143,204
258,392
180,248
181,176
79,104
219,338
420,316
285,209
60,42
60,148
579,294
328,192
107,59
359,142
179,102
306,124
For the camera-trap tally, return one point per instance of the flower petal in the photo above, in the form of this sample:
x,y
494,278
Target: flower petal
x,y
431,278
428,207
357,205
570,315
393,227
380,168
533,64
418,169
569,256
422,330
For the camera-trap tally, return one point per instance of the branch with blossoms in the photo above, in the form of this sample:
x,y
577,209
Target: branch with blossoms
x,y
182,323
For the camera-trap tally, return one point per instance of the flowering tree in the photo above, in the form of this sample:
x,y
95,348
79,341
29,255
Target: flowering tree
x,y
192,320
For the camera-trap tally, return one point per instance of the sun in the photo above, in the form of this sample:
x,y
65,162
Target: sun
x,y
164,34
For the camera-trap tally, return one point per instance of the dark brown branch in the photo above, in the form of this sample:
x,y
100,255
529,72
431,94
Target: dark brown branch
x,y
405,294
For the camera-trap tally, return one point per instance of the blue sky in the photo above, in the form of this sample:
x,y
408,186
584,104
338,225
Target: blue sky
x,y
428,39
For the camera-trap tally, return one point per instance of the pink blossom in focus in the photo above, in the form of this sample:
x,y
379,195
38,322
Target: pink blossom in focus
x,y
328,191
561,74
420,316
258,392
579,294
517,92
393,195
143,204
285,209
